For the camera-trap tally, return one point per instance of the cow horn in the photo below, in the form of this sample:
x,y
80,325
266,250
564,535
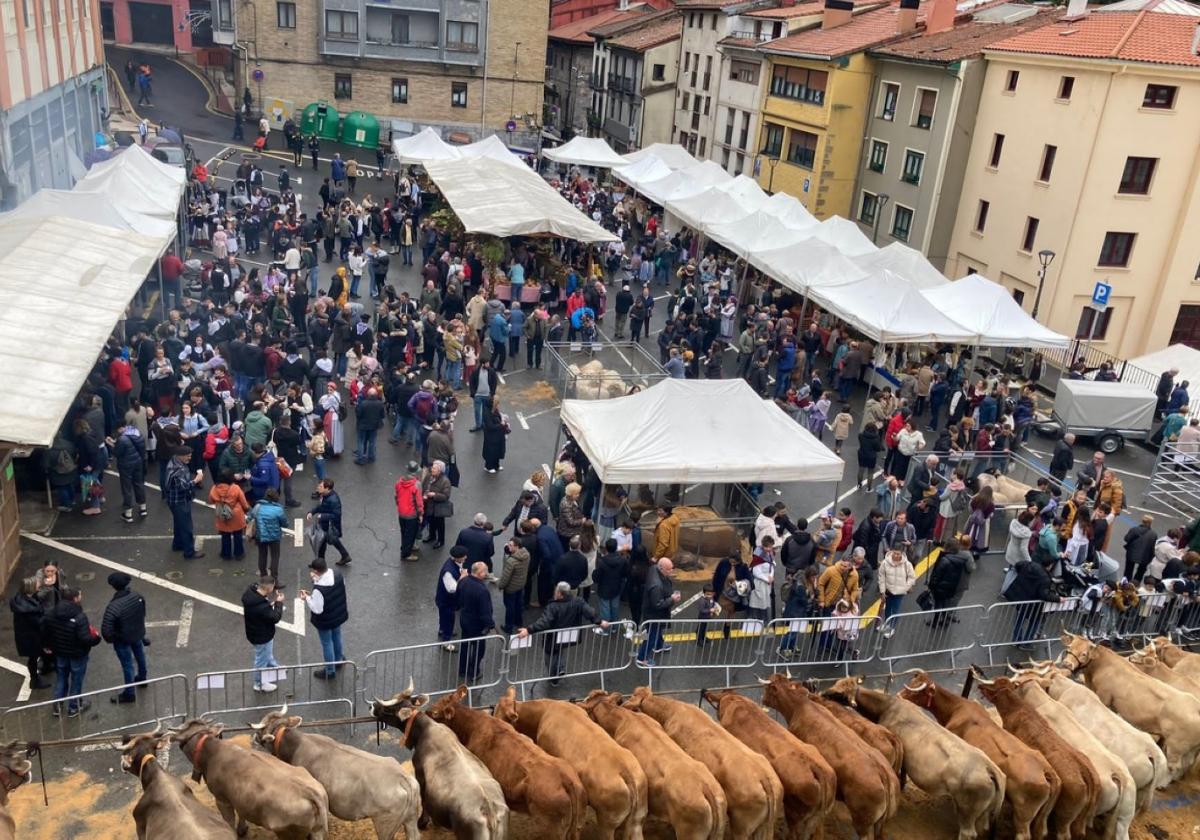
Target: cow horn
x,y
258,727
917,688
411,687
979,678
788,671
283,711
387,704
761,681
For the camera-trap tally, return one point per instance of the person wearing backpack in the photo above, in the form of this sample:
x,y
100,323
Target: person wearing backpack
x,y
130,454
62,471
230,507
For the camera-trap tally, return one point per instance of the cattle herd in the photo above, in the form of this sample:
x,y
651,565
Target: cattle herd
x,y
1075,745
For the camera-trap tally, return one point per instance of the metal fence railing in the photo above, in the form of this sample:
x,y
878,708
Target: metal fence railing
x,y
915,636
835,643
725,645
1174,483
586,651
433,669
233,692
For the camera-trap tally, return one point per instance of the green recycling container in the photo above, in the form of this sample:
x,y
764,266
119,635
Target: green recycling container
x,y
360,129
320,118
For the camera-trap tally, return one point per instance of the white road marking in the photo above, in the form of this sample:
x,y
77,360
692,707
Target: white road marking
x,y
521,420
819,512
138,574
183,625
543,411
20,669
194,501
298,536
297,625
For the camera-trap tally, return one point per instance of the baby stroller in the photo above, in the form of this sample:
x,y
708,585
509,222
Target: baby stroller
x,y
239,195
1078,573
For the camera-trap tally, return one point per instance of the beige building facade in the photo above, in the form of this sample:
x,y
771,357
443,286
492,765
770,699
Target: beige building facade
x,y
1094,159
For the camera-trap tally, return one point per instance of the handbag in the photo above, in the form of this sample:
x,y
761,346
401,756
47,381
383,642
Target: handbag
x,y
442,510
925,600
285,469
252,523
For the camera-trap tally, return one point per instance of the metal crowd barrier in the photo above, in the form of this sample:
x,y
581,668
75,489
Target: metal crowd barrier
x,y
947,632
1033,626
726,645
836,643
433,669
586,651
232,692
165,700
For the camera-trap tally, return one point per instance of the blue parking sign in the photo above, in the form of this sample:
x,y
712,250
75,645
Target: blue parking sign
x,y
1100,294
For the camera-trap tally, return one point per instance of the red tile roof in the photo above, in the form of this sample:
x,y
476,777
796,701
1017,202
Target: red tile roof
x,y
661,30
966,40
576,32
1151,37
870,28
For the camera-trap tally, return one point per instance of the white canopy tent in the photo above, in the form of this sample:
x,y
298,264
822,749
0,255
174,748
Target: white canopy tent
x,y
729,201
907,262
510,201
426,145
96,270
756,232
988,311
647,169
807,264
586,151
733,436
135,180
789,210
887,308
685,182
491,148
672,154
1186,359
94,207
844,235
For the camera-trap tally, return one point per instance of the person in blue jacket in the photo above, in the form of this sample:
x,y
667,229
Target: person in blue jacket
x,y
498,332
550,550
264,475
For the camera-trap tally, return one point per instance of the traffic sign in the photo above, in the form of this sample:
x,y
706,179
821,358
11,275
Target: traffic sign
x,y
1100,294
510,126
258,75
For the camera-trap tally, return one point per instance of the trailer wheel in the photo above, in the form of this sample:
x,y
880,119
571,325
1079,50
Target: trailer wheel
x,y
1110,443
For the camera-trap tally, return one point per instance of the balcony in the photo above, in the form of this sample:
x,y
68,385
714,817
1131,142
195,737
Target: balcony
x,y
408,5
410,50
911,178
747,35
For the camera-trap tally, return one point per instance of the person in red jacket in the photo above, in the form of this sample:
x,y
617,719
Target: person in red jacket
x,y
889,438
410,508
120,377
172,272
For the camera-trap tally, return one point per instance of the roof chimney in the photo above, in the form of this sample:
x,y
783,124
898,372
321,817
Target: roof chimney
x,y
941,16
837,12
1076,9
906,20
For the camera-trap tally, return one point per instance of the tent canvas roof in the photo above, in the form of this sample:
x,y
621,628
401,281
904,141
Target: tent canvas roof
x,y
789,210
491,148
586,151
97,269
647,169
509,201
988,310
734,436
672,154
758,231
425,145
807,264
724,202
1187,359
907,262
685,182
845,235
135,179
887,308
94,207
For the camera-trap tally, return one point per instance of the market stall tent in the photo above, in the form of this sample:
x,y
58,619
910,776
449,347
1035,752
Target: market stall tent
x,y
135,180
1186,359
758,231
907,262
733,435
672,154
788,210
806,265
586,151
988,311
685,182
491,148
887,308
728,201
647,169
509,201
424,146
845,235
94,207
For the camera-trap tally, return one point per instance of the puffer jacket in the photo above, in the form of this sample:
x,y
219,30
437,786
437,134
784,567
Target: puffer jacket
x,y
124,619
516,572
67,632
896,578
269,521
130,449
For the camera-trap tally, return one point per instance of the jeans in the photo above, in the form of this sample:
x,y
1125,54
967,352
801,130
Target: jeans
x,y
610,609
404,422
514,605
66,495
331,647
314,280
514,347
846,387
533,352
264,657
133,486
517,288
182,538
499,354
366,445
654,639
445,623
70,673
481,405
454,374
232,544
406,251
128,654
1028,623
891,606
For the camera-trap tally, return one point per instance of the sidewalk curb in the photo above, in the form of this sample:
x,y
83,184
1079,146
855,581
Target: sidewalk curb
x,y
127,105
210,104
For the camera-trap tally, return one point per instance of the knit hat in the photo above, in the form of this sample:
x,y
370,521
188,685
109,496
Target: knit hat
x,y
119,580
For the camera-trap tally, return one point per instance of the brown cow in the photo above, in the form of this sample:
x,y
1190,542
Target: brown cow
x,y
866,783
809,783
1080,784
611,776
695,810
873,735
534,782
1177,658
15,770
753,793
1149,664
1032,785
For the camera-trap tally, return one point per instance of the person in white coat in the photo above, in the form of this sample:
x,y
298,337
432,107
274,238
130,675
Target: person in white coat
x,y
1019,534
896,579
762,580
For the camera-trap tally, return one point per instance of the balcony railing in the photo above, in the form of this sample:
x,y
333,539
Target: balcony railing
x,y
747,35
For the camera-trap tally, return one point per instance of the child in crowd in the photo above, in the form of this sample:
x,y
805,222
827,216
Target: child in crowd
x,y
707,610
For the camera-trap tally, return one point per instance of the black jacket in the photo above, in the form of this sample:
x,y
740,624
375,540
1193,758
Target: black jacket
x,y
868,535
1139,545
947,575
67,632
571,612
329,511
369,414
656,597
479,543
130,452
798,551
260,615
537,511
1063,458
493,381
610,574
124,619
27,624
474,607
572,568
1032,583
869,444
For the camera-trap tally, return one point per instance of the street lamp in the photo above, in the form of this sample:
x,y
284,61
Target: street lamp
x,y
1045,257
772,157
881,201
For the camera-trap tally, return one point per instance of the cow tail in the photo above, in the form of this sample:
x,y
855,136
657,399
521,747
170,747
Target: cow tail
x,y
578,810
768,829
998,786
497,826
720,818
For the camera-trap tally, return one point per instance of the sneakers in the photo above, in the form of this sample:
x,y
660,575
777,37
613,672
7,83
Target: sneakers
x,y
785,654
83,706
123,698
142,512
344,561
322,674
267,687
646,663
127,515
449,648
493,472
664,649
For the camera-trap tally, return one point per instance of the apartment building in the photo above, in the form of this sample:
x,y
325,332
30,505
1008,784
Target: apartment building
x,y
466,67
53,95
1084,147
925,96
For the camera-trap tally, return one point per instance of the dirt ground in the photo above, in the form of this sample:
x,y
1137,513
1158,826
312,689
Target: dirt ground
x,y
84,806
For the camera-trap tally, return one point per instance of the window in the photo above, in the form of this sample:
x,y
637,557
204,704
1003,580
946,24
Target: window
x,y
1019,296
707,100
685,101
772,140
400,91
1159,96
461,35
1010,82
714,23
802,150
285,15
1116,249
400,29
868,208
1048,155
724,158
891,95
458,94
703,144
902,218
981,214
997,148
343,87
799,83
914,162
1087,317
744,134
741,162
878,159
926,103
1030,237
341,25
730,116
224,16
743,71
687,61
659,72
1065,86
1139,171
707,71
1187,326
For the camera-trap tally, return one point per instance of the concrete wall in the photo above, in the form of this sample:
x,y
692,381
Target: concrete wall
x,y
58,41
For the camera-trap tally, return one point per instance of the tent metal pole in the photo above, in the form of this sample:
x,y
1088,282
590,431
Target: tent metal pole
x,y
162,294
554,454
